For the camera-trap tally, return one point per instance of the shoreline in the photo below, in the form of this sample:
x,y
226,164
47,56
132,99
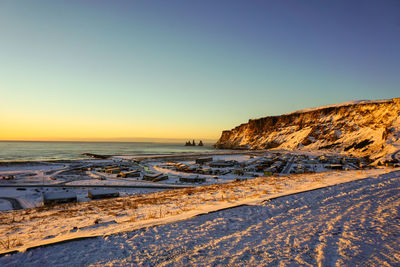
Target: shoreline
x,y
129,156
36,152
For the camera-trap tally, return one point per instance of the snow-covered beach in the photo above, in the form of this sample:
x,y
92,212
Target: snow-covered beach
x,y
355,223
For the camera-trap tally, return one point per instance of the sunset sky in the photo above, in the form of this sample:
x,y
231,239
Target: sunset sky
x,y
115,70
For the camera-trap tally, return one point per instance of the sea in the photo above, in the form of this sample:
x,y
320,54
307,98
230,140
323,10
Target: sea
x,y
20,151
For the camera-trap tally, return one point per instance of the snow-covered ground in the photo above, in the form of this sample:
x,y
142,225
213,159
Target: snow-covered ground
x,y
28,173
5,205
47,225
238,157
355,223
28,198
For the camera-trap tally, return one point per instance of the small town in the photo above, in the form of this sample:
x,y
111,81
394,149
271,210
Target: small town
x,y
105,178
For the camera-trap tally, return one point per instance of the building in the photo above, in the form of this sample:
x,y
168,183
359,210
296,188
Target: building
x,y
192,179
58,197
203,160
155,177
222,164
335,167
102,193
128,174
113,170
160,178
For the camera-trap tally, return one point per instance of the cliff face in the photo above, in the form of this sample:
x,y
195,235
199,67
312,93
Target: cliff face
x,y
366,128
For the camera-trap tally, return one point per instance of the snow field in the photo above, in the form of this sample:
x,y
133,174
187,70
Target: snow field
x,y
47,225
349,224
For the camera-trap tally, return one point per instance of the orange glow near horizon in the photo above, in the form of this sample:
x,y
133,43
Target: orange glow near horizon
x,y
16,128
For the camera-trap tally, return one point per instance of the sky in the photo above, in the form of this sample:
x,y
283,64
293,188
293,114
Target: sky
x,y
120,70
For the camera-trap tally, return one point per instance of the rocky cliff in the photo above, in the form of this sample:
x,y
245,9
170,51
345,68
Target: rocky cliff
x,y
361,128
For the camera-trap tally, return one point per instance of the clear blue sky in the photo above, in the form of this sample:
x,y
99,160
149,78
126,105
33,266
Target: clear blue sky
x,y
186,69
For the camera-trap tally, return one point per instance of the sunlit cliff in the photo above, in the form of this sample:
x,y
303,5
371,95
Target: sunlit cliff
x,y
362,128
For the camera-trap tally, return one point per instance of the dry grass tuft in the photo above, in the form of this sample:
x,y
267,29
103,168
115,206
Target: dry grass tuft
x,y
133,218
8,242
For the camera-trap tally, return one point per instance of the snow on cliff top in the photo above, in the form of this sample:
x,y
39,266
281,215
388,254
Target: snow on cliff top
x,y
355,102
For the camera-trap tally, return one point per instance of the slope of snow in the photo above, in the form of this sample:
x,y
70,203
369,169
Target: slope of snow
x,y
111,181
5,205
350,224
47,225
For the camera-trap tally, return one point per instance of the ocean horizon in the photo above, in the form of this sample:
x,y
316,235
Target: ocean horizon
x,y
19,151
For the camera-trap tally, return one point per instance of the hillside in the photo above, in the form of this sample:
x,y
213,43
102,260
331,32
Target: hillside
x,y
360,128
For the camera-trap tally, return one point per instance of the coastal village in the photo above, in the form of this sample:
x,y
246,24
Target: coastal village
x,y
106,177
